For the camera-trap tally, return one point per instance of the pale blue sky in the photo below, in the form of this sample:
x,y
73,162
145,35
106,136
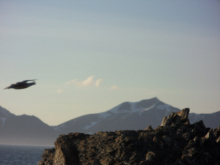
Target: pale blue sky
x,y
90,56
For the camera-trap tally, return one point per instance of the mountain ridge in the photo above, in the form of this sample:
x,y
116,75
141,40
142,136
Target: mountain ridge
x,y
26,129
122,111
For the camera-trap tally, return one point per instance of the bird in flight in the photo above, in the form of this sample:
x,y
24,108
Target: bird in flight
x,y
22,85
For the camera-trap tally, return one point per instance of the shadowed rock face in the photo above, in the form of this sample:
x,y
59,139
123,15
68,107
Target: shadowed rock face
x,y
124,106
175,142
147,103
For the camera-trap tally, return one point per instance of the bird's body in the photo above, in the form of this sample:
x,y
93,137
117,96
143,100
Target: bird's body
x,y
22,85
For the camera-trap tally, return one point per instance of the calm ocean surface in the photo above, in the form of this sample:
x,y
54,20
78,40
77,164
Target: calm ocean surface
x,y
21,155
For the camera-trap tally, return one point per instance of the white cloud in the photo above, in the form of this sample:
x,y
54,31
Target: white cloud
x,y
97,83
115,87
59,91
89,81
86,82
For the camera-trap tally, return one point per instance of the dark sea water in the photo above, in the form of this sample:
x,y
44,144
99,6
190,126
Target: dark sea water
x,y
21,155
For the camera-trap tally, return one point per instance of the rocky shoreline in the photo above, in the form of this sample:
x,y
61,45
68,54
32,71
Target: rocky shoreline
x,y
174,142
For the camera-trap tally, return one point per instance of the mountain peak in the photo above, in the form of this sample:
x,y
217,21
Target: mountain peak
x,y
130,107
147,103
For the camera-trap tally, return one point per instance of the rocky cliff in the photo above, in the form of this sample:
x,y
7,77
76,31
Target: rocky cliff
x,y
174,142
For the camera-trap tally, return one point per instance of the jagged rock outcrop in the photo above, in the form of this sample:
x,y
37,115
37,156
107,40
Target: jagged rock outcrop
x,y
175,142
176,118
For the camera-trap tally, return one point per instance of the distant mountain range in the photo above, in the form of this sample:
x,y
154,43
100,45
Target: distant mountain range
x,y
30,130
24,129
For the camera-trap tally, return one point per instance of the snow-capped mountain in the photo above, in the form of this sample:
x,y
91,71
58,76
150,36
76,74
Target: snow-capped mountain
x,y
126,116
131,116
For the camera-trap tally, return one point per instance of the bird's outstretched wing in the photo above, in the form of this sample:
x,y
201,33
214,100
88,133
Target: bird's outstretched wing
x,y
28,80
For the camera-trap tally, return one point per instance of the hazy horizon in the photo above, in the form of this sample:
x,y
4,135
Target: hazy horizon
x,y
89,56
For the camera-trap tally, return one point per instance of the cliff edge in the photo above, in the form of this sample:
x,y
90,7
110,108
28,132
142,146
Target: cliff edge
x,y
174,142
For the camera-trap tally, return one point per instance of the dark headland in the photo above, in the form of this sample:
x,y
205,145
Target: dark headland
x,y
174,142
